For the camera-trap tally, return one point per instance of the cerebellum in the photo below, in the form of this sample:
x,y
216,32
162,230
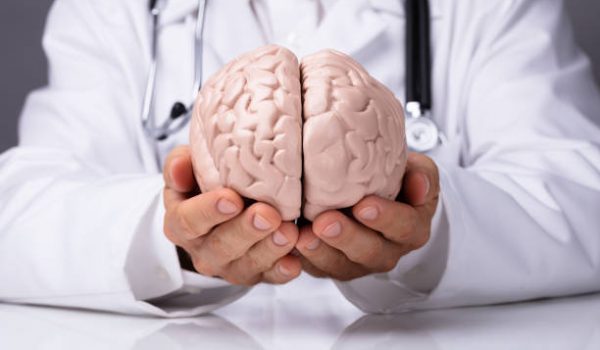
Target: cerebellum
x,y
315,136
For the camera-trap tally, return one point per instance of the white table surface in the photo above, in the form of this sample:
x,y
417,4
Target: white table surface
x,y
260,321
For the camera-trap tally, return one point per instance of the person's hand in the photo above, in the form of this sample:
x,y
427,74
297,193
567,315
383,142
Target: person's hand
x,y
242,246
381,232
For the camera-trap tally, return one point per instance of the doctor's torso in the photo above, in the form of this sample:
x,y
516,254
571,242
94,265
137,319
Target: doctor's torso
x,y
372,32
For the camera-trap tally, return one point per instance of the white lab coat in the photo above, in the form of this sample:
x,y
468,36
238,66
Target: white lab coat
x,y
80,197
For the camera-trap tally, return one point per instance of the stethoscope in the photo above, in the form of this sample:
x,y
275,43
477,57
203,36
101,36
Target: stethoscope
x,y
422,134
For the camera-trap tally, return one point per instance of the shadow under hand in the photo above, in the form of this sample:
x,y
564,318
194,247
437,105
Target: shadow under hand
x,y
570,323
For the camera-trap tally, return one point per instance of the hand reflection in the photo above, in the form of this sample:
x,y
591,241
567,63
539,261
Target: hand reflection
x,y
25,327
209,332
572,323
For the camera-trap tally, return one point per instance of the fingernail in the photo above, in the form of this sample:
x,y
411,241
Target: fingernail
x,y
369,213
332,230
260,223
279,239
226,207
314,244
427,184
283,270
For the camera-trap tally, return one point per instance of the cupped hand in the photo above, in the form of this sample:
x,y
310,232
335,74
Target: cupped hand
x,y
379,233
244,246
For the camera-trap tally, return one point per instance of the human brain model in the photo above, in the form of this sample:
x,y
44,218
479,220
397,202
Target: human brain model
x,y
304,138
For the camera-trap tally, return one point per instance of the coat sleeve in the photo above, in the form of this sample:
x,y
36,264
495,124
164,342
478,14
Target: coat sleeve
x,y
518,217
80,209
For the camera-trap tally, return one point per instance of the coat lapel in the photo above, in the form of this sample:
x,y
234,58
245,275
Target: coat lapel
x,y
349,26
230,26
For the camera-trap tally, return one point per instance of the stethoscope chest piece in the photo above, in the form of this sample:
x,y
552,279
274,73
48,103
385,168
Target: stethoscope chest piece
x,y
422,135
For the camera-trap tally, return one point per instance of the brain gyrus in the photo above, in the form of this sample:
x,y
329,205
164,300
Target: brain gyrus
x,y
304,138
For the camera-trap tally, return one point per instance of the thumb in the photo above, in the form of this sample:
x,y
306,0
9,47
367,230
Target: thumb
x,y
178,172
421,180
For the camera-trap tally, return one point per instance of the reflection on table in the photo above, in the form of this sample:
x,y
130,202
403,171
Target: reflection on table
x,y
571,323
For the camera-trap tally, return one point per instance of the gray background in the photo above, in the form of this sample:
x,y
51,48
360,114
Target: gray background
x,y
23,66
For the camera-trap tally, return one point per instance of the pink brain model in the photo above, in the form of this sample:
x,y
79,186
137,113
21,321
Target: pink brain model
x,y
318,136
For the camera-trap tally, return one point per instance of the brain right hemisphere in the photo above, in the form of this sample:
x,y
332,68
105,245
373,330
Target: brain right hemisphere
x,y
354,141
303,138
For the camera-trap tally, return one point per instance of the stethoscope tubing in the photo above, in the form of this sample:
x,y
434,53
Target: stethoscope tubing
x,y
418,54
180,113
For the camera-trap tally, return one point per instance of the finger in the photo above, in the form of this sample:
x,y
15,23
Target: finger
x,y
285,270
172,198
398,222
249,268
359,243
420,184
311,269
232,239
308,242
327,259
178,171
198,215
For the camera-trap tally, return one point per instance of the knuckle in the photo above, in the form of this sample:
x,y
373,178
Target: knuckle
x,y
204,268
242,280
219,247
251,281
408,228
413,223
203,208
170,234
233,279
388,264
311,269
262,265
252,264
368,255
339,268
183,221
167,228
422,239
